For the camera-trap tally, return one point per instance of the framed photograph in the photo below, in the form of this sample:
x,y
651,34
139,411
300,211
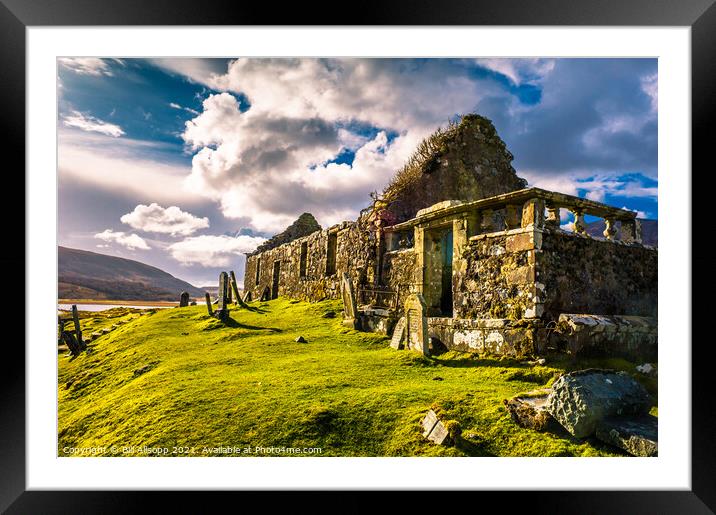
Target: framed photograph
x,y
413,252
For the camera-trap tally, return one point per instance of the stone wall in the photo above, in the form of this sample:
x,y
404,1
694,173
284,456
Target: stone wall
x,y
488,336
528,273
399,273
355,253
498,281
585,275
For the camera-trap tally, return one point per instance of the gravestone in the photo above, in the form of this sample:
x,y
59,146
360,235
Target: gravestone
x,y
266,295
416,324
222,309
208,305
184,299
434,430
78,330
349,297
235,290
398,334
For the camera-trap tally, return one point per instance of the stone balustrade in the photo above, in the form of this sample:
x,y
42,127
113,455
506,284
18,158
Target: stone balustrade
x,y
527,208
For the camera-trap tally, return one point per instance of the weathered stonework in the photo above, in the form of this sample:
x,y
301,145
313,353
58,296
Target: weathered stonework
x,y
494,273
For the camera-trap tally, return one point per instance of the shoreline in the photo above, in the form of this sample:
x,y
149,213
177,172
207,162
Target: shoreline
x,y
110,301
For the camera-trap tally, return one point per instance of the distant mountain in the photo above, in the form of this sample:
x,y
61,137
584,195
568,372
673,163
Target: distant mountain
x,y
88,275
649,231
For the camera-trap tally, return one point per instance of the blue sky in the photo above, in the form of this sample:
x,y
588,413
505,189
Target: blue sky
x,y
186,164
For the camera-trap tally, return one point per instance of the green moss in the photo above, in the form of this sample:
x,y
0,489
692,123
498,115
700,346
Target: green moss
x,y
248,383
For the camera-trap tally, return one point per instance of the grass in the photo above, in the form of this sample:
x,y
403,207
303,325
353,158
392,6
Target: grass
x,y
178,378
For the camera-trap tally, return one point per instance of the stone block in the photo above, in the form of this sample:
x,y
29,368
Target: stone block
x,y
636,435
581,400
519,242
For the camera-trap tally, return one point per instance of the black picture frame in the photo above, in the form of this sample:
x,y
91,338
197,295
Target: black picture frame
x,y
17,15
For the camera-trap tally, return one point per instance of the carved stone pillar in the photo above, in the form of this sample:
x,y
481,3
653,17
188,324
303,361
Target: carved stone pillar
x,y
610,231
579,227
553,217
631,231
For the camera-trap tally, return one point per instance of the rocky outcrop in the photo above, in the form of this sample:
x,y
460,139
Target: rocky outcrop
x,y
303,226
581,400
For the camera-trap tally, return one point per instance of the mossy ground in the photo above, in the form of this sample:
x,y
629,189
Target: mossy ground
x,y
178,378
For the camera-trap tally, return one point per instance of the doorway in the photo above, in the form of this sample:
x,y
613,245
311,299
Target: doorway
x,y
276,276
437,281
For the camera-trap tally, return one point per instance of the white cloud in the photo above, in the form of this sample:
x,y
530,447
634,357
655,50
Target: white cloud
x,y
170,220
131,241
266,163
175,106
649,84
91,124
519,71
87,65
213,251
123,166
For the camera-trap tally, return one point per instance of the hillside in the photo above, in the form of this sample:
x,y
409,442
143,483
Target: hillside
x,y
177,377
88,275
649,231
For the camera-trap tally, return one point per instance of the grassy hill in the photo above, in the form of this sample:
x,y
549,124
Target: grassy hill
x,y
88,275
176,377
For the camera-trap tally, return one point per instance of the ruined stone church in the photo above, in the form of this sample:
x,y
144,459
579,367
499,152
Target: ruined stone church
x,y
485,257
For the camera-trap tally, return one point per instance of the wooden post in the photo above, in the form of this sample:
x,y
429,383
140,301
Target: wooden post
x,y
78,329
208,305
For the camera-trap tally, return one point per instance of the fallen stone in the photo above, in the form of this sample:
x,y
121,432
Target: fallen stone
x,y
580,400
329,314
647,369
636,435
96,335
436,431
530,410
301,339
106,330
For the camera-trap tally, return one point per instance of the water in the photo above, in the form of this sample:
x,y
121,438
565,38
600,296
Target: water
x,y
102,307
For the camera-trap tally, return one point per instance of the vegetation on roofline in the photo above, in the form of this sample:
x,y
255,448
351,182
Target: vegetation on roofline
x,y
426,155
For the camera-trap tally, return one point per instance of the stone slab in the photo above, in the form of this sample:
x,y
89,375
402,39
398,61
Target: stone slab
x,y
398,335
636,435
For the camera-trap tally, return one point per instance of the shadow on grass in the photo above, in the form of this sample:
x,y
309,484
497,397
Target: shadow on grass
x,y
230,322
473,449
481,362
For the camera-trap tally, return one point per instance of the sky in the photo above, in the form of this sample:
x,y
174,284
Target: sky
x,y
186,163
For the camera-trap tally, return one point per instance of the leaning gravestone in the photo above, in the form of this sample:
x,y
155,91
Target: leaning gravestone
x,y
235,290
208,305
78,329
184,299
350,309
398,334
416,324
